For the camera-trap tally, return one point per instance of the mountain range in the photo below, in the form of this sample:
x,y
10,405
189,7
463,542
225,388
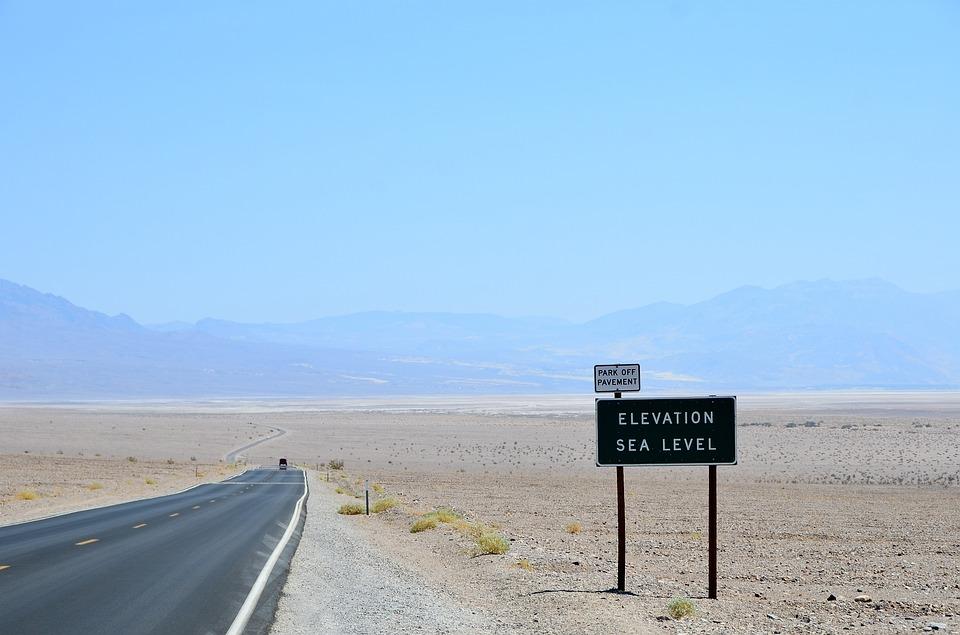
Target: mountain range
x,y
803,335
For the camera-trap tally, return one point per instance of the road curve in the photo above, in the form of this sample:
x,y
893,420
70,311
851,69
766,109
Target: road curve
x,y
183,563
231,456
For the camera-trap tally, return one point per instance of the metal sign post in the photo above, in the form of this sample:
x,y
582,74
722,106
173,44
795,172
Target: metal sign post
x,y
621,528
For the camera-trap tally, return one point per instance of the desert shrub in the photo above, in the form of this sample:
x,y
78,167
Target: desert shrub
x,y
378,488
491,543
193,458
573,528
336,464
383,505
170,461
524,564
423,524
132,459
341,490
27,495
446,515
95,486
473,530
149,481
679,608
350,509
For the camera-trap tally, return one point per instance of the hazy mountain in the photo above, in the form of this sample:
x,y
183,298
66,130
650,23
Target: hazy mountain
x,y
801,335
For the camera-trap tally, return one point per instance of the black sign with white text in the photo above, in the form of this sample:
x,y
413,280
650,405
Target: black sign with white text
x,y
670,431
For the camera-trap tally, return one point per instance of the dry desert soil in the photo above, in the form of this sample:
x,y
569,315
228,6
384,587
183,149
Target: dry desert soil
x,y
854,496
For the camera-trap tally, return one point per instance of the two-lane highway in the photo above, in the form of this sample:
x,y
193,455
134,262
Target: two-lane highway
x,y
183,563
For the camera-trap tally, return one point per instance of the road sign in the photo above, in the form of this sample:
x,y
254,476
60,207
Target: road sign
x,y
689,431
616,378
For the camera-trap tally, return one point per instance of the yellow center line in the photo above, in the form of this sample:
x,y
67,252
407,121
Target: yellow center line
x,y
4,566
140,525
196,507
87,542
174,514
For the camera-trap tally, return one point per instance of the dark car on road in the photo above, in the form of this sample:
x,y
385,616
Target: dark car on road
x,y
283,464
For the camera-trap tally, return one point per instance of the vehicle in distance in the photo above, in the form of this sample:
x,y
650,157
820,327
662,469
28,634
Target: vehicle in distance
x,y
283,464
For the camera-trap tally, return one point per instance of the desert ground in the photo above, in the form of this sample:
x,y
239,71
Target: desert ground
x,y
854,496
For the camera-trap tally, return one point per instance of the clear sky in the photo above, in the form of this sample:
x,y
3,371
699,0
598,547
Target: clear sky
x,y
287,160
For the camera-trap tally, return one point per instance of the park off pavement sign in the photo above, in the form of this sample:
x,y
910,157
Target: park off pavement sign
x,y
667,431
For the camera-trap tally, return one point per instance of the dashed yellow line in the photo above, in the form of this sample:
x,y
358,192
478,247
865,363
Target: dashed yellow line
x,y
174,514
196,507
140,525
88,541
4,566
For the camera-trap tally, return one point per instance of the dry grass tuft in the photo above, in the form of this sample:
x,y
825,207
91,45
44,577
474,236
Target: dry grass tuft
x,y
524,564
491,543
149,481
335,464
679,608
27,495
383,505
378,488
422,524
573,528
94,486
350,509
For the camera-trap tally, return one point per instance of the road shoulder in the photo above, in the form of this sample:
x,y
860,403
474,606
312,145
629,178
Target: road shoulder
x,y
340,582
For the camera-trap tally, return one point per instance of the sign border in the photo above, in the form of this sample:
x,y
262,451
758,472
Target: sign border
x,y
604,392
596,423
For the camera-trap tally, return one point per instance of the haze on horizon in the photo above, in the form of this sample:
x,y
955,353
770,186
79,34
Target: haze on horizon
x,y
257,163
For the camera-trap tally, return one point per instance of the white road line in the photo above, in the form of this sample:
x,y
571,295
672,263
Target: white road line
x,y
246,611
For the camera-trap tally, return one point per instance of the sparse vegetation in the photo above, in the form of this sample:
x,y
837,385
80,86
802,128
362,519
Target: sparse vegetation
x,y
679,608
336,464
94,486
27,495
149,481
573,528
423,523
383,505
170,462
378,488
524,564
350,509
491,543
341,490
132,459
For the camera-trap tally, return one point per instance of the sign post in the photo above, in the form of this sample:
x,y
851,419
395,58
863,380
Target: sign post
x,y
618,378
668,431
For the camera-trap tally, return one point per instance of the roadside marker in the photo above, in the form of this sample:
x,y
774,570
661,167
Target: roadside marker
x,y
174,514
140,525
87,542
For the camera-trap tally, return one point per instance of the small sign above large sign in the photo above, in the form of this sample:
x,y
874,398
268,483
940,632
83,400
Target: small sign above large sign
x,y
690,431
616,378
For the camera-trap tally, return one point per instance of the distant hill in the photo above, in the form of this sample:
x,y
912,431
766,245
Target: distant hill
x,y
822,334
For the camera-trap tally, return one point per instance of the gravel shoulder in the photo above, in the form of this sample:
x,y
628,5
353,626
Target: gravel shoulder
x,y
340,582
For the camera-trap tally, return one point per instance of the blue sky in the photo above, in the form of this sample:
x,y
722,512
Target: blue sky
x,y
282,161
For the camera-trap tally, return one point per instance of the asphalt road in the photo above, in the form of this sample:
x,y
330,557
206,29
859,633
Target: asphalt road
x,y
183,563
